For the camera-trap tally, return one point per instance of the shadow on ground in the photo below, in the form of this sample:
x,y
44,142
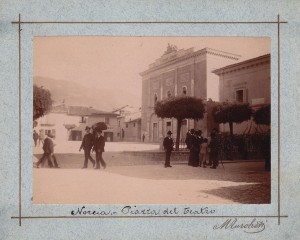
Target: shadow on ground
x,y
254,188
246,194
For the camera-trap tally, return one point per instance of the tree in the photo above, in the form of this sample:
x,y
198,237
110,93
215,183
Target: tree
x,y
42,102
263,115
180,108
232,113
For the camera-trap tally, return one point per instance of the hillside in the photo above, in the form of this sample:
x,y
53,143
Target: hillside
x,y
78,94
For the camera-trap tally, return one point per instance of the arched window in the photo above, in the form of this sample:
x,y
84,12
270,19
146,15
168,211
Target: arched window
x,y
169,94
184,90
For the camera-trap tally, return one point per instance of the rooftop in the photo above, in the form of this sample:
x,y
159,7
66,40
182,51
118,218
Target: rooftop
x,y
245,64
79,110
133,116
183,54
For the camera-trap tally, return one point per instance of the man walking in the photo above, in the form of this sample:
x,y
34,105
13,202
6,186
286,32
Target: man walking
x,y
168,147
35,137
99,149
87,145
48,148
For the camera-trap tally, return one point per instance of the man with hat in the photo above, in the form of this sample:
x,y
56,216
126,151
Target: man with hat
x,y
198,142
214,148
87,145
48,148
99,149
190,141
168,147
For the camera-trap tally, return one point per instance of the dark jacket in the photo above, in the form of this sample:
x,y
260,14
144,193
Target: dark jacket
x,y
188,140
194,143
48,146
87,142
214,144
168,144
35,136
99,144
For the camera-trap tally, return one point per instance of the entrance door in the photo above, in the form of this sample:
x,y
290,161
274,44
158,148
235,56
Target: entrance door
x,y
154,133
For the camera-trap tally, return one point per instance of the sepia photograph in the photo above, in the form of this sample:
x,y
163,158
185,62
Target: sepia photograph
x,y
151,120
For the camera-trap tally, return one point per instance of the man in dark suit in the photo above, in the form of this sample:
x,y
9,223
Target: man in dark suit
x,y
196,151
87,145
99,149
48,148
190,141
168,147
214,148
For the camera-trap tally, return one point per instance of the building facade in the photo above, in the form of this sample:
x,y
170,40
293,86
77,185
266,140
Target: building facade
x,y
179,72
110,119
129,127
68,123
246,82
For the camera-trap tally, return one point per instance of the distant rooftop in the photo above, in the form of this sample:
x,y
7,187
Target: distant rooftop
x,y
133,117
126,110
79,110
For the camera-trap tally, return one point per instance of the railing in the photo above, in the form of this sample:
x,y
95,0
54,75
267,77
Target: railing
x,y
241,146
182,145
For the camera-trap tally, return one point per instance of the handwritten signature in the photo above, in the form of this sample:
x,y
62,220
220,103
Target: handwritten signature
x,y
252,226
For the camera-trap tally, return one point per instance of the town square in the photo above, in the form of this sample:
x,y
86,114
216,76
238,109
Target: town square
x,y
152,122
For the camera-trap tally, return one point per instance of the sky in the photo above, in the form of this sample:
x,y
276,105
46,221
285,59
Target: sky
x,y
115,62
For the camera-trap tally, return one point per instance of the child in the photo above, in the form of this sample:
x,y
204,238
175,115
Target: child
x,y
203,152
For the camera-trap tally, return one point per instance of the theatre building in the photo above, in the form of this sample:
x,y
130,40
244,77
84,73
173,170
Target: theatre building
x,y
180,72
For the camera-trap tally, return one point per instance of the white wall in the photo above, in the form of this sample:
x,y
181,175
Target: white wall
x,y
56,121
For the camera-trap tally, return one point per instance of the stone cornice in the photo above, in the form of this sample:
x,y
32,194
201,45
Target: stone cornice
x,y
192,55
221,53
250,63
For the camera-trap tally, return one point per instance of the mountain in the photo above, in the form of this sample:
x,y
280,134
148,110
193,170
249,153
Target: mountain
x,y
79,95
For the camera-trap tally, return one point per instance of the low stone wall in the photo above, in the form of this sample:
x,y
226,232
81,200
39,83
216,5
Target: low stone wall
x,y
183,156
160,155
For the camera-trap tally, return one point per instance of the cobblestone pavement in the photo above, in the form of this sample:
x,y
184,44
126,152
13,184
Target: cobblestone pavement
x,y
149,182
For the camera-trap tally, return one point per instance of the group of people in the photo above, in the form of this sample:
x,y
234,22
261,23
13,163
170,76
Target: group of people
x,y
202,152
95,143
91,142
